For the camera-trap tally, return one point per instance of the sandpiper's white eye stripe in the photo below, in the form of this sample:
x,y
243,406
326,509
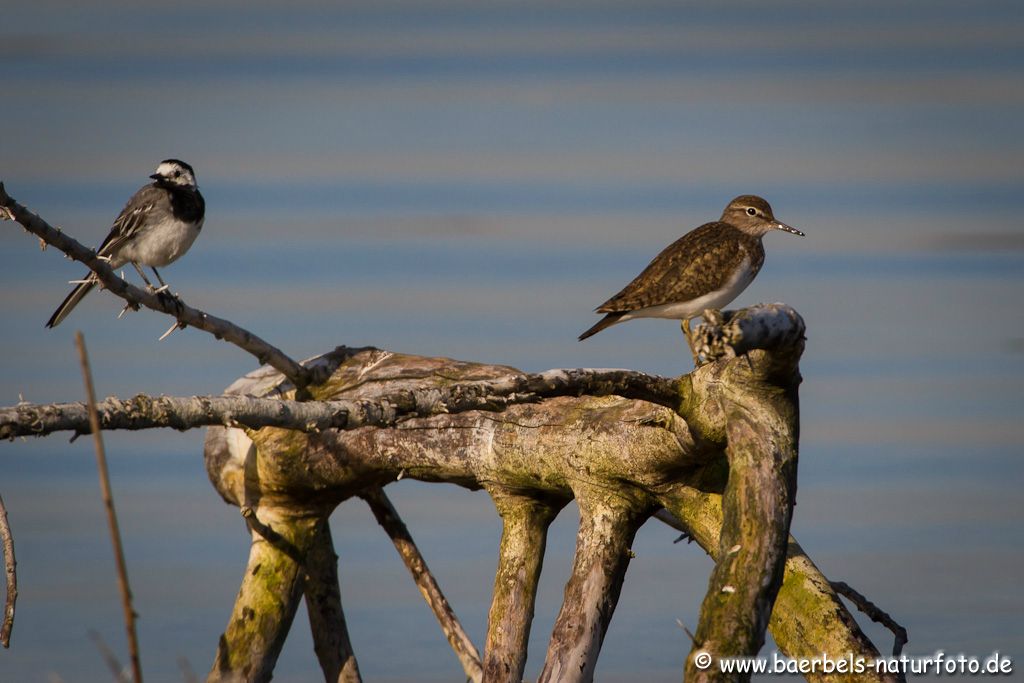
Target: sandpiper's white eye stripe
x,y
706,268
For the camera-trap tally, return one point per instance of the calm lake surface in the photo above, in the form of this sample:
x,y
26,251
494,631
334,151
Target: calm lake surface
x,y
470,181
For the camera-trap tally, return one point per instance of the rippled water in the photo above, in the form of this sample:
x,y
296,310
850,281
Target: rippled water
x,y
470,181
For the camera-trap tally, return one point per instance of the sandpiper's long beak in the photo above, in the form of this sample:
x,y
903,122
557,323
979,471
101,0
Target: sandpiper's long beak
x,y
779,225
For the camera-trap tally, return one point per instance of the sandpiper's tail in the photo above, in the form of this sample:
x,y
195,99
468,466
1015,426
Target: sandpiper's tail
x,y
76,295
604,322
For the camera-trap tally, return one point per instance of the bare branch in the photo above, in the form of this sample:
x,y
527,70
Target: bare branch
x,y
388,518
135,296
109,658
608,524
10,568
188,675
108,501
326,618
147,412
525,523
875,613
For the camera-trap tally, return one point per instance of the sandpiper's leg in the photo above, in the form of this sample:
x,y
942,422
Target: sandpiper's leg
x,y
685,326
142,274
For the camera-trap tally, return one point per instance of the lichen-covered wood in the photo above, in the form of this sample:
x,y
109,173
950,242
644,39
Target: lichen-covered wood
x,y
732,430
269,595
808,617
525,522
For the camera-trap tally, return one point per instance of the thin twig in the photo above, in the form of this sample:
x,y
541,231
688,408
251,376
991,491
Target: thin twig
x,y
10,567
109,658
876,614
388,518
188,674
275,539
108,501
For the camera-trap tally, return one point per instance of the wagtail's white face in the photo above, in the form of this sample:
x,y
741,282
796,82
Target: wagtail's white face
x,y
175,172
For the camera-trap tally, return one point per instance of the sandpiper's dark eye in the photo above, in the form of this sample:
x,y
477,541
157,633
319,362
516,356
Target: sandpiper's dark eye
x,y
751,211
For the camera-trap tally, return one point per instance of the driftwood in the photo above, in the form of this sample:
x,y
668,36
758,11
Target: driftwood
x,y
713,453
723,462
176,412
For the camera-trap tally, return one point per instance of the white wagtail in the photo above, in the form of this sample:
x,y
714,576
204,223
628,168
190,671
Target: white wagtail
x,y
155,228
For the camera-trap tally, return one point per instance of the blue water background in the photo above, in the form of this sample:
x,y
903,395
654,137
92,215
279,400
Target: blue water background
x,y
470,180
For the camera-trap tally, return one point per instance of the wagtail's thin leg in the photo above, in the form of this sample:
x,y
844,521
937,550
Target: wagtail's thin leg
x,y
163,285
142,274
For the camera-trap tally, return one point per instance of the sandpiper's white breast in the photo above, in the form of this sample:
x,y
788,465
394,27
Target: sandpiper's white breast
x,y
681,310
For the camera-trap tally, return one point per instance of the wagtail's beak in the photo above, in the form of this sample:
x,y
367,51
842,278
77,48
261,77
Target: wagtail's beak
x,y
156,176
788,228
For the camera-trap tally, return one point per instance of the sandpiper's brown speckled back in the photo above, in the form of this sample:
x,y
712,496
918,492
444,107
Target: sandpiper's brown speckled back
x,y
708,266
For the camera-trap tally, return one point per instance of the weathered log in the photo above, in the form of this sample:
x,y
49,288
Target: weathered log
x,y
271,589
608,522
620,458
808,618
758,405
182,413
326,618
525,523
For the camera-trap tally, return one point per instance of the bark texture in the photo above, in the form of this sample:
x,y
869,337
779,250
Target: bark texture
x,y
148,412
731,429
326,618
525,523
273,583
